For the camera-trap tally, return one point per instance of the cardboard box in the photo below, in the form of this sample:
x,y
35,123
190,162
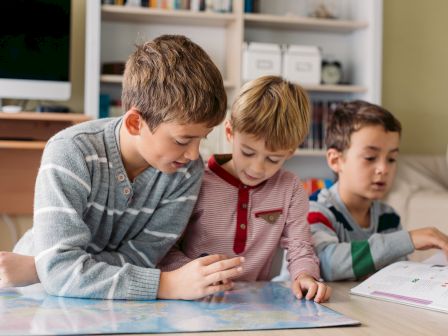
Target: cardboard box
x,y
302,64
261,59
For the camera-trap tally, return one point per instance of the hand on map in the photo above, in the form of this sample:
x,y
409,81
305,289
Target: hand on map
x,y
305,283
200,277
17,270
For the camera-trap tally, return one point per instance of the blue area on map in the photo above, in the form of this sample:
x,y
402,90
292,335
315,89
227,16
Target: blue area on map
x,y
250,306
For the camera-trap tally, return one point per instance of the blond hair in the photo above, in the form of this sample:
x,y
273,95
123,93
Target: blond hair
x,y
173,79
272,109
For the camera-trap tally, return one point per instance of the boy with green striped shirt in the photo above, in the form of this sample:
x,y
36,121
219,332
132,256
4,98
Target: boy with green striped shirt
x,y
354,233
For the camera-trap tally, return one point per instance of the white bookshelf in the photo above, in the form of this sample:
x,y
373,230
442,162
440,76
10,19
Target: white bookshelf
x,y
354,39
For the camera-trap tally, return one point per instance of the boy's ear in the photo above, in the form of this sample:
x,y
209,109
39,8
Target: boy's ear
x,y
228,130
334,159
132,121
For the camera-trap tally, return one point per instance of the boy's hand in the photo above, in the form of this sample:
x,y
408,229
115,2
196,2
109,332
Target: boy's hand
x,y
200,277
313,288
17,270
426,238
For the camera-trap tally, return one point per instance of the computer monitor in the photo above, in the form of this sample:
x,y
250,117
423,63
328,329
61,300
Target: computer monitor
x,y
35,49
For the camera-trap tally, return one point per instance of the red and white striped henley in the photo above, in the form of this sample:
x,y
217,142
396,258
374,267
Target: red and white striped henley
x,y
234,219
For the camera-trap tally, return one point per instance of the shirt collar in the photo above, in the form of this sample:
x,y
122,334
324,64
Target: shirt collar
x,y
214,164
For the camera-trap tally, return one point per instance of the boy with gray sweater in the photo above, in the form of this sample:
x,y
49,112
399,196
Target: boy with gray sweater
x,y
354,233
113,195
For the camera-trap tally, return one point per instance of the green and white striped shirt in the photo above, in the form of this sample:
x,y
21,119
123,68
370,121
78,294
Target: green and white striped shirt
x,y
348,251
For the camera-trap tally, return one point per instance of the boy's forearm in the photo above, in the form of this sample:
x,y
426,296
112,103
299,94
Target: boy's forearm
x,y
387,248
357,259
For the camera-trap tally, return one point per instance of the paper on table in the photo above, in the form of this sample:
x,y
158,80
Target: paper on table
x,y
411,283
439,258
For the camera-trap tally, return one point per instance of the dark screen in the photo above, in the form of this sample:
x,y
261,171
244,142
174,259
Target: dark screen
x,y
35,39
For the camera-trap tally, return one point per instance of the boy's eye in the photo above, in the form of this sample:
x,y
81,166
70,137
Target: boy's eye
x,y
182,143
246,153
275,161
370,158
392,160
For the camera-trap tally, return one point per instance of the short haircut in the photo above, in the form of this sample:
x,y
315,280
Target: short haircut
x,y
173,79
272,109
350,117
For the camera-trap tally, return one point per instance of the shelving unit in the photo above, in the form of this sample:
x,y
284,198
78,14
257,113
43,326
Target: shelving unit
x,y
354,40
23,137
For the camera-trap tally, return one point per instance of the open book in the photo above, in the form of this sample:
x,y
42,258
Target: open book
x,y
412,283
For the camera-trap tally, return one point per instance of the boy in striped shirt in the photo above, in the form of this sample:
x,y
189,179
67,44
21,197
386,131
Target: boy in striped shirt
x,y
113,195
354,233
248,205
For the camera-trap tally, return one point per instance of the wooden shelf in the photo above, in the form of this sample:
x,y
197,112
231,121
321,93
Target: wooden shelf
x,y
310,152
24,135
45,116
15,144
303,23
117,79
173,17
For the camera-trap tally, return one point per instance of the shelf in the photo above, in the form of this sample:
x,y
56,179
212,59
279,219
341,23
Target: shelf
x,y
45,116
310,152
303,23
336,88
172,17
117,79
15,144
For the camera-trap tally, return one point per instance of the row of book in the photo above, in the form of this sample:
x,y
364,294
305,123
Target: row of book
x,y
222,6
321,112
312,185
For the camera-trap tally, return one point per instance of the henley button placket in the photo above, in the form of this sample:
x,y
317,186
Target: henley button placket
x,y
239,243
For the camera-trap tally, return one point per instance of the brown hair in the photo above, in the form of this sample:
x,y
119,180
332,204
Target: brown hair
x,y
350,117
272,109
172,78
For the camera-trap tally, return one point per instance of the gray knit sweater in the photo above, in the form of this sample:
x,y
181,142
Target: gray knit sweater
x,y
96,234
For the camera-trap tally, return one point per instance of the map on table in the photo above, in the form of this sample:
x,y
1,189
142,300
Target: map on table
x,y
250,306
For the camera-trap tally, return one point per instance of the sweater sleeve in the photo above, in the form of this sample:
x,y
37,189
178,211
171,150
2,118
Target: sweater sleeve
x,y
296,237
61,236
353,259
174,259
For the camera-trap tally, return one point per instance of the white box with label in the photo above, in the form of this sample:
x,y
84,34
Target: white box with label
x,y
261,59
302,64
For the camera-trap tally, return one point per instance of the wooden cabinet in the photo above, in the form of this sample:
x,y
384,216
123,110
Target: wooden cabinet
x,y
23,137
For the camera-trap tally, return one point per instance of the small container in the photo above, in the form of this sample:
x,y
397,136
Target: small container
x,y
302,64
261,59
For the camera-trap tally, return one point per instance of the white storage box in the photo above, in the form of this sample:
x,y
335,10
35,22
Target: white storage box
x,y
302,64
261,59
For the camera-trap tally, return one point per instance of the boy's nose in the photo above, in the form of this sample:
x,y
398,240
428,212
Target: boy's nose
x,y
381,169
257,168
192,153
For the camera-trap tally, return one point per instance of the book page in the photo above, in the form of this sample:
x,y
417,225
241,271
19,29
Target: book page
x,y
439,258
407,282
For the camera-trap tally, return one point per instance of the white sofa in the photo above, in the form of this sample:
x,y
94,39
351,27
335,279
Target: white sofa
x,y
420,194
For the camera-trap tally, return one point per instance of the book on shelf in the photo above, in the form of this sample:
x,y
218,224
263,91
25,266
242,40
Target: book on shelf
x,y
419,284
321,112
311,185
222,6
